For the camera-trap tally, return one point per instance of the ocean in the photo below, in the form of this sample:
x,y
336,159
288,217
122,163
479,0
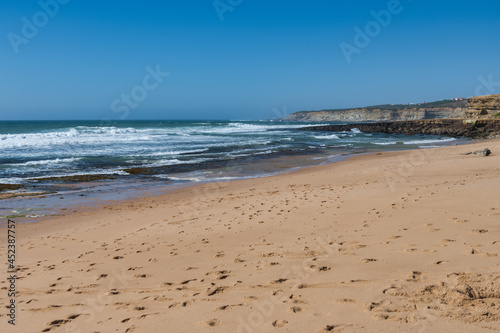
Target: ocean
x,y
90,160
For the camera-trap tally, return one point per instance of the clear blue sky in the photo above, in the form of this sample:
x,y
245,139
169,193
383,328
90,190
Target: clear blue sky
x,y
263,55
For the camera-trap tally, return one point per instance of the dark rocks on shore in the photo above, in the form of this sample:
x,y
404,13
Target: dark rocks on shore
x,y
49,184
77,178
9,187
484,152
470,128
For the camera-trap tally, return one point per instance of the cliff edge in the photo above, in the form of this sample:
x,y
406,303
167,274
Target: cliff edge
x,y
480,107
483,107
387,112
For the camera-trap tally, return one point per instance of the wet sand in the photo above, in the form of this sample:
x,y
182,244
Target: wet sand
x,y
390,242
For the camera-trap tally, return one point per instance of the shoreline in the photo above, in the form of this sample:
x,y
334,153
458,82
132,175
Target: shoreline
x,y
213,149
156,188
169,190
193,186
92,206
349,245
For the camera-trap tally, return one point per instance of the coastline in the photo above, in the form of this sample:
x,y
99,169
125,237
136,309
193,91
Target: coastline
x,y
345,245
207,186
92,193
79,162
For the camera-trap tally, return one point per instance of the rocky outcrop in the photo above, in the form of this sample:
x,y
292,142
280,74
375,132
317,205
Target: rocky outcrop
x,y
398,112
483,107
449,127
485,152
371,115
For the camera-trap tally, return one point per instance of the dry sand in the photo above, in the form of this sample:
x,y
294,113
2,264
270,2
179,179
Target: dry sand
x,y
392,242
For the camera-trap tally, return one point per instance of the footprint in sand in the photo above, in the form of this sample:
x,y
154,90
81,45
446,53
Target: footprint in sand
x,y
215,291
319,268
395,290
384,306
279,323
142,276
279,281
479,231
59,322
187,281
367,260
346,300
183,304
296,309
219,255
212,322
395,237
415,276
227,307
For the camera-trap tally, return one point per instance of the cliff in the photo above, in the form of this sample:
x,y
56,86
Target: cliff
x,y
389,112
483,107
480,118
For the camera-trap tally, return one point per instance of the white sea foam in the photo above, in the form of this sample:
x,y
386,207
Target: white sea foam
x,y
245,128
174,152
99,136
188,179
72,136
388,143
47,162
174,161
11,180
90,173
421,142
332,136
415,142
104,149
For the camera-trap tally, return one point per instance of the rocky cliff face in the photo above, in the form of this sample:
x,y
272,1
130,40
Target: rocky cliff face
x,y
378,114
483,107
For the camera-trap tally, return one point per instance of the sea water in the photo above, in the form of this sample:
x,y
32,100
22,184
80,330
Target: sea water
x,y
60,157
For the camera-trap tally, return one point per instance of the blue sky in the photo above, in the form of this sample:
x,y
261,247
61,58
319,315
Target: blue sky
x,y
91,59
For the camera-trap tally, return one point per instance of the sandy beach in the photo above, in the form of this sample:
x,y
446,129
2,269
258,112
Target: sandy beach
x,y
385,242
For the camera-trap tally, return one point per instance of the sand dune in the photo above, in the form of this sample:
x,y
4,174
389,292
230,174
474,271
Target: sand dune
x,y
390,242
